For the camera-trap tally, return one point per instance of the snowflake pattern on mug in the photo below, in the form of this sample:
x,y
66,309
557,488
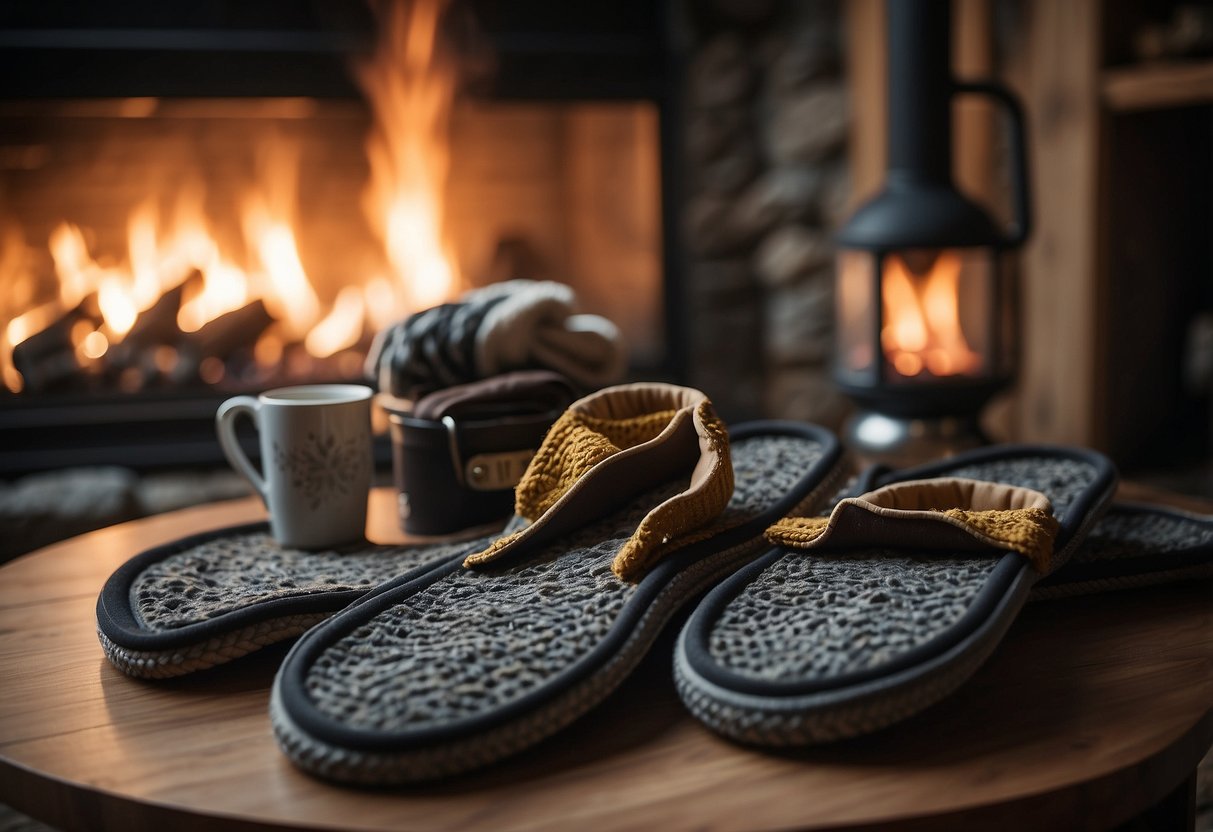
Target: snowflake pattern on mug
x,y
323,466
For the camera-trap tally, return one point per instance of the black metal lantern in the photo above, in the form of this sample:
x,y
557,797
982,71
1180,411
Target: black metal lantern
x,y
925,330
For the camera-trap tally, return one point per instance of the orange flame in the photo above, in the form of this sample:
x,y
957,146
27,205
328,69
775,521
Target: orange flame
x,y
269,215
922,330
17,299
410,89
341,328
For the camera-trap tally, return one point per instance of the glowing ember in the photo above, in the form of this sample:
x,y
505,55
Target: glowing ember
x,y
189,266
94,345
922,330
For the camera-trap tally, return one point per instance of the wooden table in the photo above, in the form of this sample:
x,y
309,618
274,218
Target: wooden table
x,y
1091,710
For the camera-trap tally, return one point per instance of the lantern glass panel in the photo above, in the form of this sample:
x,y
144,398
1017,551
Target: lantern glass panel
x,y
856,359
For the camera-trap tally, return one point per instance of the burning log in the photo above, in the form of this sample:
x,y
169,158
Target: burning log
x,y
48,357
232,331
156,325
207,351
46,372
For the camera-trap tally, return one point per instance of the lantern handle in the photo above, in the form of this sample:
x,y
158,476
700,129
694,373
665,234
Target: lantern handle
x,y
1022,225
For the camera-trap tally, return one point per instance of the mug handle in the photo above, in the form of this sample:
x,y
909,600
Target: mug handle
x,y
225,427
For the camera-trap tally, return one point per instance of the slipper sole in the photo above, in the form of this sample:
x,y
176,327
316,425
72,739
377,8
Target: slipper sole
x,y
214,597
352,701
803,708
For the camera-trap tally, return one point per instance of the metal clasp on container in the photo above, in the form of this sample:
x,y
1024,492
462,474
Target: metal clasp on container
x,y
486,472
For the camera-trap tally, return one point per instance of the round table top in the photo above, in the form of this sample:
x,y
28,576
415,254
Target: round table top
x,y
1091,710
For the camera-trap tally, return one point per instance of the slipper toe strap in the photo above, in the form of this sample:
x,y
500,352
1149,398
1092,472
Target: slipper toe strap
x,y
612,446
944,514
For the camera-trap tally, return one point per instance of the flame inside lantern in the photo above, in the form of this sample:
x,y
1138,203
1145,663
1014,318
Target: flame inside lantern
x,y
922,332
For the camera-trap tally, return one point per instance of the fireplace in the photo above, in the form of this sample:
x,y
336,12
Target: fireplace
x,y
221,199
926,333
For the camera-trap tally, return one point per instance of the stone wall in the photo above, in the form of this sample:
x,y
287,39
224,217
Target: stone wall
x,y
765,123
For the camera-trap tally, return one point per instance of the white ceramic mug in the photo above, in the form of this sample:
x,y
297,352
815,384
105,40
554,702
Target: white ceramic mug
x,y
316,454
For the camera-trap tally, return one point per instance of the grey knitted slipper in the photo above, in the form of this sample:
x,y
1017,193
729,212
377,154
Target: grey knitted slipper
x,y
466,665
211,598
802,647
1135,545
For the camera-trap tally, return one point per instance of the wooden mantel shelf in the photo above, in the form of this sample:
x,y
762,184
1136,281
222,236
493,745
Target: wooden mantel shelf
x,y
1158,85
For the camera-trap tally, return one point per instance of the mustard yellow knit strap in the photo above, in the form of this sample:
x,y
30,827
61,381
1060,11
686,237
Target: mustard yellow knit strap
x,y
672,524
945,514
610,447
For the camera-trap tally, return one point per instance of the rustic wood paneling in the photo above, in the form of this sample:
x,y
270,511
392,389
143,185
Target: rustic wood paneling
x,y
1055,66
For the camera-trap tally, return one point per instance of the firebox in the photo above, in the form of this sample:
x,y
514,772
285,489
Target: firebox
x,y
925,309
229,197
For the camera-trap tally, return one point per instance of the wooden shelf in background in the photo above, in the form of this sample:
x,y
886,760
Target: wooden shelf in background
x,y
1155,86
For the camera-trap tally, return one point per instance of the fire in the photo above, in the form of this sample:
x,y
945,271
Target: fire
x,y
178,267
269,217
922,330
116,299
341,328
410,88
224,289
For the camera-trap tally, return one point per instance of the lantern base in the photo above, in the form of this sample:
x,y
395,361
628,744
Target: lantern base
x,y
901,441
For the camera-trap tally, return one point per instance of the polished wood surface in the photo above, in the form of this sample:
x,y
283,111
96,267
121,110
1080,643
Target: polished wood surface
x,y
1091,710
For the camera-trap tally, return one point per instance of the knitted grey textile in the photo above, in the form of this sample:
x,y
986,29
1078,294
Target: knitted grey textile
x,y
819,615
478,639
1122,536
432,349
229,573
511,325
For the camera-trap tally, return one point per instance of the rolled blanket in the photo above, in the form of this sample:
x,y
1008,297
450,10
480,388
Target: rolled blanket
x,y
513,325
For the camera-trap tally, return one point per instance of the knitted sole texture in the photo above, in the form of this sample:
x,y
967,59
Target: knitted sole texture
x,y
803,647
463,667
209,599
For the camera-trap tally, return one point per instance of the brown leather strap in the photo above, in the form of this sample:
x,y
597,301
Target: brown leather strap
x,y
457,475
458,453
519,393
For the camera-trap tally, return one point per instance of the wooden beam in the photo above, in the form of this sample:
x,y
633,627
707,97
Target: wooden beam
x,y
973,118
1056,69
867,69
